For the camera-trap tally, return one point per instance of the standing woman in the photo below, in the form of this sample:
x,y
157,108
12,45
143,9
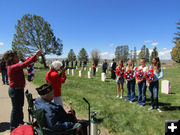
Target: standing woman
x,y
17,84
120,78
56,80
154,84
141,83
131,96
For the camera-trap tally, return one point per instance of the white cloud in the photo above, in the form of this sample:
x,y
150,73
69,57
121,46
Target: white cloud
x,y
104,53
155,43
107,55
166,54
164,48
111,45
1,43
147,41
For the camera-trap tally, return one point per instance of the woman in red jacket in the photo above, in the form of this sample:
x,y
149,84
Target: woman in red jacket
x,y
56,80
17,84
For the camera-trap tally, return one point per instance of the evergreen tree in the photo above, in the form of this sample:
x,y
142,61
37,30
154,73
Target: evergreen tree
x,y
142,53
71,55
154,53
147,55
83,56
175,39
32,33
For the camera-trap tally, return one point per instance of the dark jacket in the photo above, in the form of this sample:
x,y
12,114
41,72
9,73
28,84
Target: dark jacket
x,y
56,117
3,65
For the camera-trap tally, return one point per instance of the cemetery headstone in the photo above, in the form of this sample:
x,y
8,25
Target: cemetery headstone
x,y
68,71
72,72
89,74
165,86
80,73
103,77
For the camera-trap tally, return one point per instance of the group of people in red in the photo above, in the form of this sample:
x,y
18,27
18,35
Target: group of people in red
x,y
57,117
144,76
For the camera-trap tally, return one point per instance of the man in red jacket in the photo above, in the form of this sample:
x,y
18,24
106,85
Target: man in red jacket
x,y
56,80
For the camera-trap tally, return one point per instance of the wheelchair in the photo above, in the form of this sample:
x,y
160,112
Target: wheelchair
x,y
37,119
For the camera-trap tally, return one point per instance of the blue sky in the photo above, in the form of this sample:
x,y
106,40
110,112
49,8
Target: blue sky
x,y
101,24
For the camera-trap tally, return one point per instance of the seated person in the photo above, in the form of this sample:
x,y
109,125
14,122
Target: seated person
x,y
56,117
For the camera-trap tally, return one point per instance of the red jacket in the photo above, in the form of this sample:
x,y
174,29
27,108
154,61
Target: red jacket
x,y
94,66
53,77
16,74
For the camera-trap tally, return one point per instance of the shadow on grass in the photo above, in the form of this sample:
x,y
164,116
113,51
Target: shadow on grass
x,y
170,108
4,126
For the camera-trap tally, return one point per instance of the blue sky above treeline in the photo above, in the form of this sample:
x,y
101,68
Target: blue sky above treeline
x,y
101,24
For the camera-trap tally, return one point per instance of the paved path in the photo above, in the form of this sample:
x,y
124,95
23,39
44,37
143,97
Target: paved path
x,y
5,106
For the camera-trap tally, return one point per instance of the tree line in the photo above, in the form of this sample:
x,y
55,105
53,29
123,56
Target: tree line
x,y
33,32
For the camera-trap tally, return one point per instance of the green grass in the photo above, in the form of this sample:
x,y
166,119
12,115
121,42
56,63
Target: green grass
x,y
120,117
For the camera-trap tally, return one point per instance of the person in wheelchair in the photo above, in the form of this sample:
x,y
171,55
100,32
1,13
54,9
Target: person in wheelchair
x,y
56,117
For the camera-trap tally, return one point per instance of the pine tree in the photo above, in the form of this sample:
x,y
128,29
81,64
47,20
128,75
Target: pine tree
x,y
83,56
32,33
147,55
142,53
154,53
177,33
71,55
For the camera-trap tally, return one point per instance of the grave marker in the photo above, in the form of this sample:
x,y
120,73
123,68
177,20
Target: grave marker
x,y
165,86
103,77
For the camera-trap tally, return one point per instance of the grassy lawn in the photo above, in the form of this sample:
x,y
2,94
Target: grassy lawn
x,y
120,116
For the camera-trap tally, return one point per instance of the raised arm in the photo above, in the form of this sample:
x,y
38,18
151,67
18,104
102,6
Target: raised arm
x,y
22,65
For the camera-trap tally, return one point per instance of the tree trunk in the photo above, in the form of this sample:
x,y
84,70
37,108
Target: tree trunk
x,y
44,61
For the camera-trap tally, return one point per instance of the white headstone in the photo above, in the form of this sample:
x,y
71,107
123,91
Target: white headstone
x,y
165,86
103,77
90,69
97,69
89,74
80,73
76,67
68,71
72,72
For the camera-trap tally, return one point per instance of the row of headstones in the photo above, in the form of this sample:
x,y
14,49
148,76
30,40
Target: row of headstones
x,y
165,86
103,75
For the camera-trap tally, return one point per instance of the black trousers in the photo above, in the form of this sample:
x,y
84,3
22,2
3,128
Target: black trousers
x,y
17,100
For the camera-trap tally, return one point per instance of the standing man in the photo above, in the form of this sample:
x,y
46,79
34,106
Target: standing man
x,y
113,69
4,72
67,63
63,63
80,63
104,66
76,63
72,65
